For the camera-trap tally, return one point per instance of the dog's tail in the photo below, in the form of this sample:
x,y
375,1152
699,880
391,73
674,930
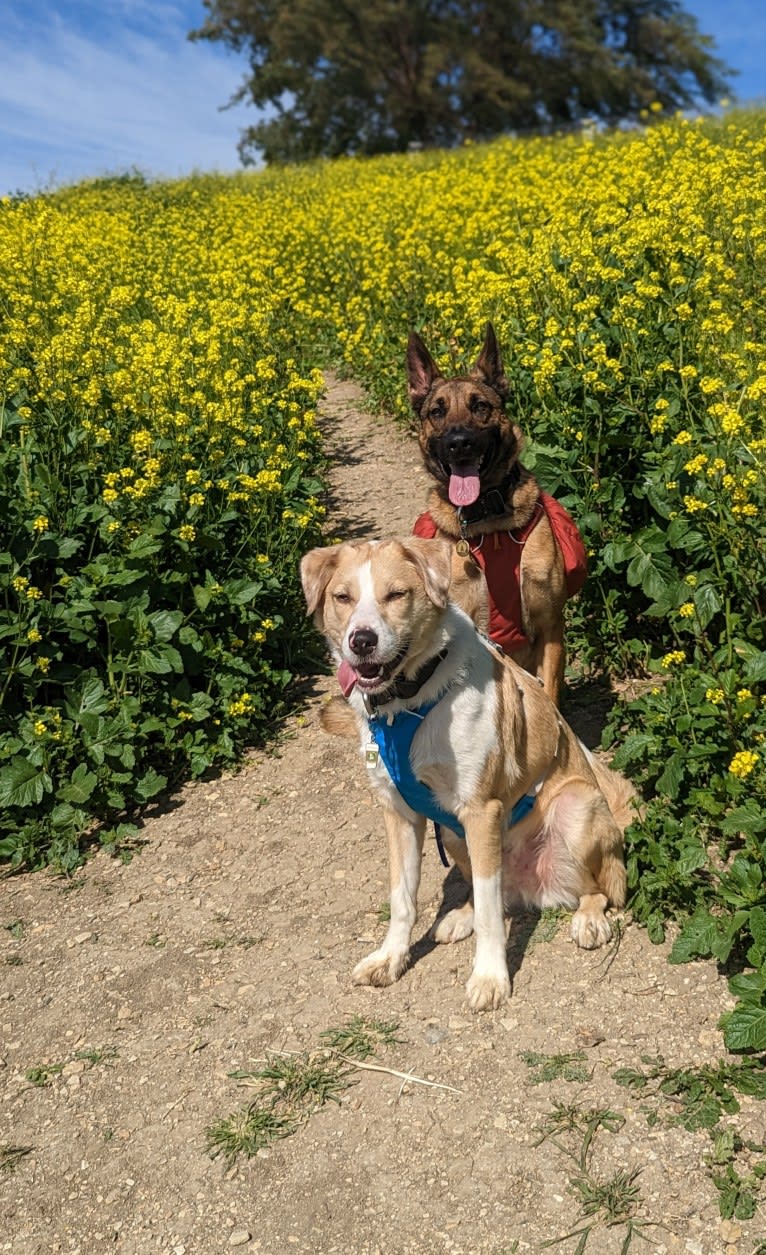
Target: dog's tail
x,y
620,795
337,718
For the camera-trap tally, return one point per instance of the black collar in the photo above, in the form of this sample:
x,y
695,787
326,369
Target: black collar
x,y
404,688
492,503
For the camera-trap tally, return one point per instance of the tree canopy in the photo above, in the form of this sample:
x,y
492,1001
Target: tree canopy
x,y
372,76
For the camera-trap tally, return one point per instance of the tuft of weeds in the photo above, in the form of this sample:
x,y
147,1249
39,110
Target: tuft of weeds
x,y
100,1054
563,1067
571,1128
698,1099
698,1096
290,1089
548,924
359,1038
11,1156
16,928
43,1074
738,1193
247,1131
384,913
604,1202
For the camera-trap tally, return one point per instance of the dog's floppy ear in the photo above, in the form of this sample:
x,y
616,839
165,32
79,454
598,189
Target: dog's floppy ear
x,y
422,371
433,559
317,568
489,365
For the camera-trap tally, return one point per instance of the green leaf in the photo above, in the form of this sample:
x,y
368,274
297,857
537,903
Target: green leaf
x,y
153,662
201,597
757,924
165,623
755,668
744,1028
696,939
150,784
750,817
22,784
93,699
670,780
80,787
707,602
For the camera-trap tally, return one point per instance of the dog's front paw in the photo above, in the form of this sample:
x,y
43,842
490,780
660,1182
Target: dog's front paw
x,y
488,992
590,930
379,968
454,926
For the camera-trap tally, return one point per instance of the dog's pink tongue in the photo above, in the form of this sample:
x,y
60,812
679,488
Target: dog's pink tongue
x,y
346,678
464,486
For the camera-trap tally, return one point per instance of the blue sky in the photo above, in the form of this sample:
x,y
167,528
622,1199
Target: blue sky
x,y
90,87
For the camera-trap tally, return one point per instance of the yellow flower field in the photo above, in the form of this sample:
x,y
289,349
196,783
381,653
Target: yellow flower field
x,y
160,356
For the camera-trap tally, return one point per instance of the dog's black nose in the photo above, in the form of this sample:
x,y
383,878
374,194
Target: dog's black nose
x,y
363,641
460,444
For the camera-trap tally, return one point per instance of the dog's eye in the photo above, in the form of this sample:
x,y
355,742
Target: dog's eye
x,y
342,598
436,412
482,409
396,594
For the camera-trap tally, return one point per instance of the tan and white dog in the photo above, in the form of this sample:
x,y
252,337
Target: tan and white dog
x,y
483,742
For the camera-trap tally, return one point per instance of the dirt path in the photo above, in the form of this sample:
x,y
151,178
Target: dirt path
x,y
233,933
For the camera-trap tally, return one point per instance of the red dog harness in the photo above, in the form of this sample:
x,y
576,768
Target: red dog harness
x,y
499,556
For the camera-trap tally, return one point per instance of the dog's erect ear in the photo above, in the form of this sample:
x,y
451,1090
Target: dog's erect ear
x,y
422,371
489,366
433,559
317,568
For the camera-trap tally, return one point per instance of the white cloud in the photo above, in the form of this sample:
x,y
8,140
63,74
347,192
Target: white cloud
x,y
76,104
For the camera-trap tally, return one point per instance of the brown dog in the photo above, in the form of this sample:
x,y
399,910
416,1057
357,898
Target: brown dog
x,y
453,731
493,511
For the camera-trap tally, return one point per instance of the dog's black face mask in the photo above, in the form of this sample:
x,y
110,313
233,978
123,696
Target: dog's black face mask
x,y
468,443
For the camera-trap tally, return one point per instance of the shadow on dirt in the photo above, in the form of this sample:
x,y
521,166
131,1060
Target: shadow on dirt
x,y
586,705
454,894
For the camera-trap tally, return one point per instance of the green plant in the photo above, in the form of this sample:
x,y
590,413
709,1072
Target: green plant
x,y
360,1038
564,1067
11,1156
698,1096
738,1193
290,1088
604,1201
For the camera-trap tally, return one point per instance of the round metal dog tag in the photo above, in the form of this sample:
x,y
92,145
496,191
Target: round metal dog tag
x,y
463,548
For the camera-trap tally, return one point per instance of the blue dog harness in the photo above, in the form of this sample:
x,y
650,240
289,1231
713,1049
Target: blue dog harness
x,y
394,742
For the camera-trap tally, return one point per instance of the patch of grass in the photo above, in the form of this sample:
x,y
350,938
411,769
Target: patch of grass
x,y
604,1202
563,1067
571,1128
98,1055
359,1038
384,913
549,922
247,1131
11,1156
157,940
16,928
290,1089
14,960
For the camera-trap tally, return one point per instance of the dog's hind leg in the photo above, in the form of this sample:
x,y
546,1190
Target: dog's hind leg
x,y
457,924
405,852
595,841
